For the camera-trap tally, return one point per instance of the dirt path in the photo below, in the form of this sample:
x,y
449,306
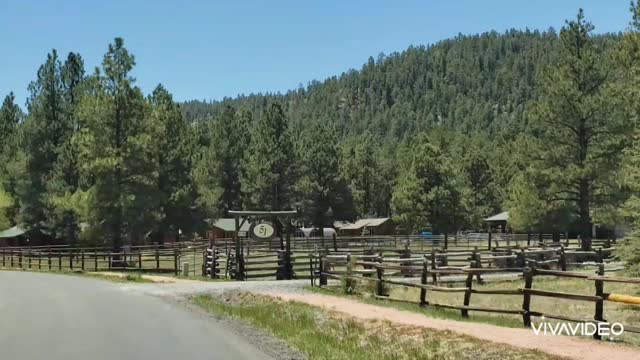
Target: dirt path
x,y
571,347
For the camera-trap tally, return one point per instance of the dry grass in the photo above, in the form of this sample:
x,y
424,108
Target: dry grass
x,y
613,312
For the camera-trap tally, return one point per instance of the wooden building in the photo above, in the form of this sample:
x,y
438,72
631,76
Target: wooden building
x,y
375,226
18,236
498,222
225,228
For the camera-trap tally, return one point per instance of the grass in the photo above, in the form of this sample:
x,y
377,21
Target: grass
x,y
323,335
127,278
613,312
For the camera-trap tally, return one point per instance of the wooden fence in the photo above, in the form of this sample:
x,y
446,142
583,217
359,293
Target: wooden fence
x,y
152,258
260,260
434,267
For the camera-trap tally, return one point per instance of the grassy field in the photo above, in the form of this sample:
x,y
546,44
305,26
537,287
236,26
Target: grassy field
x,y
322,335
613,312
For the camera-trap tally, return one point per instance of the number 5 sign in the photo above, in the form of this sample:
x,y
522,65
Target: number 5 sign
x,y
262,230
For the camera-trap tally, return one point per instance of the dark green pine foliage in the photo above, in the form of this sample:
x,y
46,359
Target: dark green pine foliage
x,y
467,83
581,128
269,163
430,192
363,168
10,118
322,192
485,195
46,129
65,177
219,167
119,153
176,189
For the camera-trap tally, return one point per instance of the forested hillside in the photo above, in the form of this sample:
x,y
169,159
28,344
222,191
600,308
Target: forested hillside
x,y
436,136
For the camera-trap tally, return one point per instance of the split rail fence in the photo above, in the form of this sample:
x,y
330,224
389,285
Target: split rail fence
x,y
438,269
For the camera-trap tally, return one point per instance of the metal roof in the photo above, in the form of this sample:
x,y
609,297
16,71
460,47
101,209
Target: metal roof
x,y
12,232
328,232
503,216
284,213
365,222
229,224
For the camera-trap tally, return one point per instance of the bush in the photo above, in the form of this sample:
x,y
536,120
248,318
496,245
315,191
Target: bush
x,y
629,252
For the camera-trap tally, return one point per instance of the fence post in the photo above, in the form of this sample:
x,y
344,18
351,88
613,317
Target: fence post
x,y
467,293
20,258
311,270
406,254
526,299
335,243
29,255
3,258
95,259
140,260
157,257
380,284
82,260
39,260
521,258
70,259
323,274
563,259
59,260
49,257
446,240
599,316
109,259
175,262
423,281
434,266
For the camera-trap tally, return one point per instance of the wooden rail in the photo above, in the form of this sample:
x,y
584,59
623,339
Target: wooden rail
x,y
529,273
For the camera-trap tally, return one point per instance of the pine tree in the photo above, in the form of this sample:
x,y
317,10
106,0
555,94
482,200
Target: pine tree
x,y
118,152
45,130
175,186
582,130
324,195
65,176
408,203
269,164
10,118
431,184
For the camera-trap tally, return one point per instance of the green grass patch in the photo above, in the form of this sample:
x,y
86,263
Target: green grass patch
x,y
125,278
323,335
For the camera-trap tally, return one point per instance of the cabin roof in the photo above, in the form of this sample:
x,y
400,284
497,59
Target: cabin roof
x,y
503,216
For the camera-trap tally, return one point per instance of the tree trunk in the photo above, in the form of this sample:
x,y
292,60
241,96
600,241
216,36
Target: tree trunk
x,y
584,214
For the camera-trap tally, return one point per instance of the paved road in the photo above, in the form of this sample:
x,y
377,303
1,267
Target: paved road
x,y
58,317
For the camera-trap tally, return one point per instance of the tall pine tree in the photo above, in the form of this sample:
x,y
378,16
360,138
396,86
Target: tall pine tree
x,y
581,130
119,152
269,164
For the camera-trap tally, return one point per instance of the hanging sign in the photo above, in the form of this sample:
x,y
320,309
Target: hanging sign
x,y
262,230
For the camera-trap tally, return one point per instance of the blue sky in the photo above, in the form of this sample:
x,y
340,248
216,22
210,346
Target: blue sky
x,y
211,49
